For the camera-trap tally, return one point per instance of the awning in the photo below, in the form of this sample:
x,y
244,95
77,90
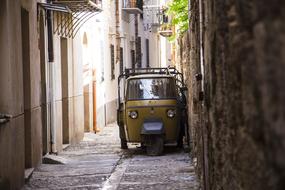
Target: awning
x,y
52,7
70,15
80,5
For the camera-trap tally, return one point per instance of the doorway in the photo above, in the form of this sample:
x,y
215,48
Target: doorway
x,y
64,88
26,85
44,97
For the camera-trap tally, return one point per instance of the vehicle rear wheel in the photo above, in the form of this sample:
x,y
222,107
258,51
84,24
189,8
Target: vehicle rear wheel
x,y
156,146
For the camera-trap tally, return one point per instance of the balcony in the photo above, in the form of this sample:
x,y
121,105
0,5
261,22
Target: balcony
x,y
152,16
166,30
133,6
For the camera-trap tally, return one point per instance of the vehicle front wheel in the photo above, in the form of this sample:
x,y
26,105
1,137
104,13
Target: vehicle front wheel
x,y
155,148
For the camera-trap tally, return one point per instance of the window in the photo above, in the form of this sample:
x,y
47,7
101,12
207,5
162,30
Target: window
x,y
151,88
147,52
133,59
112,53
121,60
139,54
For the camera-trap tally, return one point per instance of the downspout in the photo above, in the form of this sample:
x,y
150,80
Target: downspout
x,y
50,62
118,44
137,53
50,35
118,39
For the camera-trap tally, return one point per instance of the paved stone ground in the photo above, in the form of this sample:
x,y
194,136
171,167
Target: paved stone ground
x,y
99,163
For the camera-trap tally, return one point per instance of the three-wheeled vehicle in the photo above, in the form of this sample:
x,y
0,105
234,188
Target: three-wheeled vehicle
x,y
152,108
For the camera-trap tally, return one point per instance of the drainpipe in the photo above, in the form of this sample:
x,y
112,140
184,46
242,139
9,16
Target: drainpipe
x,y
137,42
50,35
50,62
118,39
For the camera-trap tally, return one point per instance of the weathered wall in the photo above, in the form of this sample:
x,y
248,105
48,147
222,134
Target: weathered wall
x,y
240,143
20,96
188,61
77,94
67,83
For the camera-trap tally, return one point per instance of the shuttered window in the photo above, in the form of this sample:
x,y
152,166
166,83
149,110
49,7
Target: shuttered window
x,y
147,52
121,60
112,53
139,54
133,58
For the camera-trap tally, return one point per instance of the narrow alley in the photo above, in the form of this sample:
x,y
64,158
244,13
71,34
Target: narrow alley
x,y
142,94
98,163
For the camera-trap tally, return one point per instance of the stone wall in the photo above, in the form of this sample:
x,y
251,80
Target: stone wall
x,y
238,129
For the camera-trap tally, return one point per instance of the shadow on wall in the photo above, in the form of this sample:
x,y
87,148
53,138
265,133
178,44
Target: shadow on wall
x,y
4,183
107,113
111,111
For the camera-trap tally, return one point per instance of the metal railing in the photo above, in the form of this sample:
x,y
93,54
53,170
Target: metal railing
x,y
98,3
162,70
133,4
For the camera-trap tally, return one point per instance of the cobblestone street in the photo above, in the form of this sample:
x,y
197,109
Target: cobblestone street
x,y
99,163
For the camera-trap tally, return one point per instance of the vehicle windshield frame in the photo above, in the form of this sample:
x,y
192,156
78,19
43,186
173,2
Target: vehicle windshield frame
x,y
172,80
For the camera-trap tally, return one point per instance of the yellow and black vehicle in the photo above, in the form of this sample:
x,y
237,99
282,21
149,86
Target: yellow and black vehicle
x,y
152,108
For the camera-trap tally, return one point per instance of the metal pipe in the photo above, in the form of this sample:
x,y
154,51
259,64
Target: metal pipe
x,y
52,110
118,40
50,60
50,35
138,54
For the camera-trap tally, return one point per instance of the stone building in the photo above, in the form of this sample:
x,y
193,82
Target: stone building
x,y
155,18
109,46
124,35
233,57
41,101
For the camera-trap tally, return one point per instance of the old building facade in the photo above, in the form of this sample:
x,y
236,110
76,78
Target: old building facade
x,y
20,97
124,35
41,102
233,58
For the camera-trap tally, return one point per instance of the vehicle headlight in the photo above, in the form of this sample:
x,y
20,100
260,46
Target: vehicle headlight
x,y
133,114
171,113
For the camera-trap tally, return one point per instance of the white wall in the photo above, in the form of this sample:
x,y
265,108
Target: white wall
x,y
103,28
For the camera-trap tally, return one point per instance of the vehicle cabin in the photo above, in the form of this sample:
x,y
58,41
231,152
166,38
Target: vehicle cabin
x,y
151,108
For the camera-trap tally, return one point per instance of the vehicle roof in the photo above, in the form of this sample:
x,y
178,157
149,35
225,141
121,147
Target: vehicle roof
x,y
150,76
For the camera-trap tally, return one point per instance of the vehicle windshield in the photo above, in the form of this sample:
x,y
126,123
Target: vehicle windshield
x,y
151,88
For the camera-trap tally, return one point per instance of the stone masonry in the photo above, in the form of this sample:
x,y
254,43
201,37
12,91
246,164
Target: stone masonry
x,y
238,134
